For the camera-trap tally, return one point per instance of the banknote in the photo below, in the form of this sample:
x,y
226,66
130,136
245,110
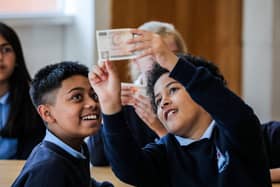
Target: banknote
x,y
137,89
112,44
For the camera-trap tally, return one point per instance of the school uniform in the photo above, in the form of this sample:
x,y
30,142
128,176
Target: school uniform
x,y
53,163
232,154
140,131
19,147
271,132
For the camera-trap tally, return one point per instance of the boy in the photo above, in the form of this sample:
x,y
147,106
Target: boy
x,y
214,137
69,106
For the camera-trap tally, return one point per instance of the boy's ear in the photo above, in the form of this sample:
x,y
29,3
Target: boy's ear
x,y
45,113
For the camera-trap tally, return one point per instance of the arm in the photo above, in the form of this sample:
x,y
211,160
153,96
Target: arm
x,y
96,150
275,174
235,117
129,162
271,132
232,115
134,97
144,110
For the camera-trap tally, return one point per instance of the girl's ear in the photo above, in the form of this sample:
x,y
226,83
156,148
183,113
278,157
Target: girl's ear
x,y
45,113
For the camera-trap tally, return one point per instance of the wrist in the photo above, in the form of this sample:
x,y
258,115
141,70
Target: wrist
x,y
109,107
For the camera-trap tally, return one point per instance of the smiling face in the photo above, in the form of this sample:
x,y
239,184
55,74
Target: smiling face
x,y
75,113
176,109
7,60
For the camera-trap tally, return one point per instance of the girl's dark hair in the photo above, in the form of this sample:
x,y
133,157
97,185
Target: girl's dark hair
x,y
23,120
157,71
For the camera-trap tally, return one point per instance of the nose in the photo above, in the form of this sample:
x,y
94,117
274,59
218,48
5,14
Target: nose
x,y
165,102
91,104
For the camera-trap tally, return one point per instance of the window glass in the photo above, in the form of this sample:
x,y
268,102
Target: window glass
x,y
31,6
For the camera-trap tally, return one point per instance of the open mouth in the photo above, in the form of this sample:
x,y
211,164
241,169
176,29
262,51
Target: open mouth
x,y
90,117
169,113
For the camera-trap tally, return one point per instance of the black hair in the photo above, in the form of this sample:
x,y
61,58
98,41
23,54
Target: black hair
x,y
22,113
50,78
157,71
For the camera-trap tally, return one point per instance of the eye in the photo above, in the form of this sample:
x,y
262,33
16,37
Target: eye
x,y
172,90
6,49
94,96
77,97
157,101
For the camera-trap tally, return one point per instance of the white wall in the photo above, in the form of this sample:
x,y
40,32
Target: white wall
x,y
261,57
42,44
276,62
49,39
79,36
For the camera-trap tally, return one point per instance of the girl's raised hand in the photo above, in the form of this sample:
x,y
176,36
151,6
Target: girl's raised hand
x,y
106,83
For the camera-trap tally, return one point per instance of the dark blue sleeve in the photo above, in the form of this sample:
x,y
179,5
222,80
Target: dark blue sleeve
x,y
95,183
130,163
238,121
141,132
271,131
96,149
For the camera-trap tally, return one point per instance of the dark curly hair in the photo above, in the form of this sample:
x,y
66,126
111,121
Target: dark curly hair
x,y
157,71
50,78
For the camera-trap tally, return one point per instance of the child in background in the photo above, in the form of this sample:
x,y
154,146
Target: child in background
x,y
208,125
143,123
21,128
69,106
271,132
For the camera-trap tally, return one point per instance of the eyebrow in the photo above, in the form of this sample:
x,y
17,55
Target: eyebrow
x,y
4,44
76,88
166,86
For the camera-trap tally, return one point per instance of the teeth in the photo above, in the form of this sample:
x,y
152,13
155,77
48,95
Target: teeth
x,y
90,117
171,112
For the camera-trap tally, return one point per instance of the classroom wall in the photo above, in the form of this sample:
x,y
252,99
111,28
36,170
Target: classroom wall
x,y
42,44
261,59
53,38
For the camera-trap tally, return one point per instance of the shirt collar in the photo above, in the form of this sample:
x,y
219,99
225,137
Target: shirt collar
x,y
207,134
4,98
50,137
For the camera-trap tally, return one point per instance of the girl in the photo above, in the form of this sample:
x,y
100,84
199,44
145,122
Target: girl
x,y
20,126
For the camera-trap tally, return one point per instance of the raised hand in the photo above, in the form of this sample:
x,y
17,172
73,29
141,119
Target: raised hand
x,y
149,43
144,110
106,83
127,95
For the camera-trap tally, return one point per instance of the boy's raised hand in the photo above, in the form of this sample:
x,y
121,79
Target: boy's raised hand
x,y
106,83
150,43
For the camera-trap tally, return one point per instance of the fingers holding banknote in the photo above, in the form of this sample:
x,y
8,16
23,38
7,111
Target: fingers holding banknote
x,y
106,84
149,43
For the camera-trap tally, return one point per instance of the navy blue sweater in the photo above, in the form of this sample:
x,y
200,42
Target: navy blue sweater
x,y
49,165
237,136
271,131
140,131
